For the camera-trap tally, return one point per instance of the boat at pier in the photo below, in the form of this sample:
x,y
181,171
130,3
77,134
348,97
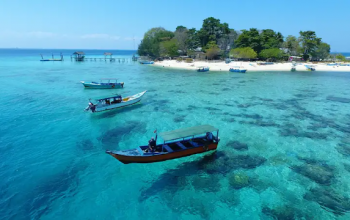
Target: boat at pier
x,y
177,143
113,102
107,83
238,69
203,69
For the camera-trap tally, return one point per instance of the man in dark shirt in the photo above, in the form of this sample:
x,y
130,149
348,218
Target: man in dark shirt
x,y
151,145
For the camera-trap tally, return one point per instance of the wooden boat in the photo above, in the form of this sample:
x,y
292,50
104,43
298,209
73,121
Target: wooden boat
x,y
332,64
113,102
53,58
203,69
108,83
146,62
178,143
310,67
134,58
294,67
238,69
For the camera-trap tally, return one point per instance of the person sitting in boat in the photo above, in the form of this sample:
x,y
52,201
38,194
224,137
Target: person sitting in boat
x,y
92,106
209,136
151,145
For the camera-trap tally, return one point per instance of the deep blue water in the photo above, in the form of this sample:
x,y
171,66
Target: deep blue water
x,y
346,54
284,150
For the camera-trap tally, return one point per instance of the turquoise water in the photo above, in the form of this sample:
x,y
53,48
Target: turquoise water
x,y
284,150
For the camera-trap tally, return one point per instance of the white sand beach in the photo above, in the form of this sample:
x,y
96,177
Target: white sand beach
x,y
250,66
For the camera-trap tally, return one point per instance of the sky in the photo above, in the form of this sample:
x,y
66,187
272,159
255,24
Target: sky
x,y
121,24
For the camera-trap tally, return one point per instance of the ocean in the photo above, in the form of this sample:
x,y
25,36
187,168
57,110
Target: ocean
x,y
346,54
283,153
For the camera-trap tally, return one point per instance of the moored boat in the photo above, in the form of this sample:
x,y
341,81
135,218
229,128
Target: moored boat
x,y
113,102
294,67
237,69
203,69
146,62
310,67
332,64
178,143
108,83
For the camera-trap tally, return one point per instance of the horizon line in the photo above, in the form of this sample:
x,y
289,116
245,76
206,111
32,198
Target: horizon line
x,y
28,48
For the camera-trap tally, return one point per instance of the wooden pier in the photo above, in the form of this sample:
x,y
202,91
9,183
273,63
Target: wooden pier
x,y
80,56
53,58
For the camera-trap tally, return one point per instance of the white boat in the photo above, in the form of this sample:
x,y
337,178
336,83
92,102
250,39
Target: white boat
x,y
113,102
107,83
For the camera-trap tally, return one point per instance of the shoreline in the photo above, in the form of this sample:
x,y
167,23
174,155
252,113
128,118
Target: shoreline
x,y
250,66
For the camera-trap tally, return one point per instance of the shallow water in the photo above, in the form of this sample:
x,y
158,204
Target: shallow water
x,y
284,150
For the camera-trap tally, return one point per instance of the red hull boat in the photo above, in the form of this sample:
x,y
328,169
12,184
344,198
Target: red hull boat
x,y
177,143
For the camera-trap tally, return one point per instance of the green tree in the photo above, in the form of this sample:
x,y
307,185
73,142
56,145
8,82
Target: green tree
x,y
193,41
226,42
272,54
292,45
151,41
249,38
212,30
340,57
322,51
270,39
243,52
212,50
169,48
309,42
181,36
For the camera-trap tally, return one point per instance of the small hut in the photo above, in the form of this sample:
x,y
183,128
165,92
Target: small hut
x,y
110,56
79,56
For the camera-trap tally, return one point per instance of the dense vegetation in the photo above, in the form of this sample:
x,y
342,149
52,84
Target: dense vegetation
x,y
217,40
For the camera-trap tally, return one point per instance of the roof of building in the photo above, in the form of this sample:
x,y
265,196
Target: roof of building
x,y
79,52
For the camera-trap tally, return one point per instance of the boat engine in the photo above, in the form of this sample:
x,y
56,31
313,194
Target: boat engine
x,y
122,84
91,107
